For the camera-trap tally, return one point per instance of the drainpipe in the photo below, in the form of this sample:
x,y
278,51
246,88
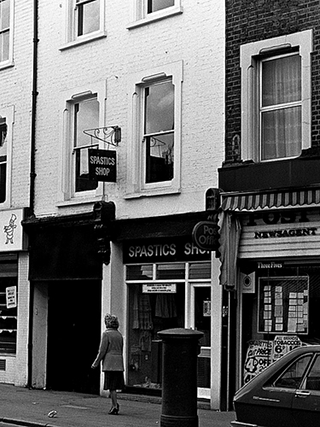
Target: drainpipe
x,y
34,105
32,170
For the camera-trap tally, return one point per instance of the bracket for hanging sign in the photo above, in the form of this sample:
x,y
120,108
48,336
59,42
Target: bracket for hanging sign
x,y
107,134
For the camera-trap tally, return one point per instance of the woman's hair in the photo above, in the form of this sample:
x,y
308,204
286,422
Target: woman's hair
x,y
111,321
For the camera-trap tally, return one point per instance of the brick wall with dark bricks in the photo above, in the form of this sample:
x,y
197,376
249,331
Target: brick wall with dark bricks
x,y
252,20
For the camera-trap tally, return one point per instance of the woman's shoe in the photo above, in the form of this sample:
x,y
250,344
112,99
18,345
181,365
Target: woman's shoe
x,y
118,407
113,411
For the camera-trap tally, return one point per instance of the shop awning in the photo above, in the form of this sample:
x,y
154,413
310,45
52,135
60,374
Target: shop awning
x,y
270,200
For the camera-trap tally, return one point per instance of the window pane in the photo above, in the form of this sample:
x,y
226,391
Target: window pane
x,y
159,158
139,272
3,158
292,377
170,271
154,5
86,117
281,133
281,81
313,380
200,270
88,17
4,14
159,107
4,46
8,316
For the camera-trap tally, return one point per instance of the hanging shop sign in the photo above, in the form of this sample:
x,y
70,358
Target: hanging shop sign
x,y
12,238
206,235
102,165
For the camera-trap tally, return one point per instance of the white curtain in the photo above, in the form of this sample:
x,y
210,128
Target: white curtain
x,y
281,116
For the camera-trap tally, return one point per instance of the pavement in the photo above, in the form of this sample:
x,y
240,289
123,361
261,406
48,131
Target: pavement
x,y
28,407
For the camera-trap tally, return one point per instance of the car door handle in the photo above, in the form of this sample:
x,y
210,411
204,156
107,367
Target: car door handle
x,y
302,393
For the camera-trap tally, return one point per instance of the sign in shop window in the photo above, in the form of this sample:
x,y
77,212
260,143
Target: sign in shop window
x,y
283,305
159,288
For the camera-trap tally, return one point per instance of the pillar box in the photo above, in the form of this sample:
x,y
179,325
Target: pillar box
x,y
180,349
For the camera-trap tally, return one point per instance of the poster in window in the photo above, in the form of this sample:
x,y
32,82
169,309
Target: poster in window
x,y
11,297
283,305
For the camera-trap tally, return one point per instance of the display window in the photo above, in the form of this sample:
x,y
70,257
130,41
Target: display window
x,y
164,296
279,311
8,304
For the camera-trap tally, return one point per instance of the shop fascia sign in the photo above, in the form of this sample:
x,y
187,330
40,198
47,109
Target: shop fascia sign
x,y
102,165
163,250
284,232
280,224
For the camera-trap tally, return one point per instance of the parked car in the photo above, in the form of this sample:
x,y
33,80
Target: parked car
x,y
285,394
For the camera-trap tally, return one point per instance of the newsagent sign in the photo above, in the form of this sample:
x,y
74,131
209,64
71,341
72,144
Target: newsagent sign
x,y
102,165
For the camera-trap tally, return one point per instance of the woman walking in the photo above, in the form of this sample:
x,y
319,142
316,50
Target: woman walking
x,y
110,353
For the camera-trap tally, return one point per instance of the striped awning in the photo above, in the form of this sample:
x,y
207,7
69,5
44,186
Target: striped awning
x,y
270,200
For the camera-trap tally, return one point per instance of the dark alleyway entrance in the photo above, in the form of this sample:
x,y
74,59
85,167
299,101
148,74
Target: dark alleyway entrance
x,y
73,335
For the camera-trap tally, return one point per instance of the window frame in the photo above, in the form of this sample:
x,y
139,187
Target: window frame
x,y
66,193
136,183
9,61
251,55
70,36
140,16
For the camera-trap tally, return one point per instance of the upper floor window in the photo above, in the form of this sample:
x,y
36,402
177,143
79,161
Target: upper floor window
x,y
276,97
154,5
85,20
145,11
87,16
280,107
154,152
83,111
6,23
85,116
6,122
158,132
3,159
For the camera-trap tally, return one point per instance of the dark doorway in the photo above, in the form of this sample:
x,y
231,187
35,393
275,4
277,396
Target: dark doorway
x,y
74,317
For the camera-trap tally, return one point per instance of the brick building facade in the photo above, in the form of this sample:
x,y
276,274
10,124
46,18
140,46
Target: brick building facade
x,y
269,181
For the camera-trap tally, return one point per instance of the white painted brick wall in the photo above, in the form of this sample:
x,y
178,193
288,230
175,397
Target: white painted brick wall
x,y
16,90
196,37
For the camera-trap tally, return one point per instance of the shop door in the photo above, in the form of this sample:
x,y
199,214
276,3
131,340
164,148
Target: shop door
x,y
74,318
201,321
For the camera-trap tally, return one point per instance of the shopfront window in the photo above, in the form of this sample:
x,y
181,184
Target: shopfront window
x,y
157,296
8,305
279,313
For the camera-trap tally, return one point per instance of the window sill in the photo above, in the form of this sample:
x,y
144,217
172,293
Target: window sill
x,y
78,202
6,64
152,193
156,16
84,39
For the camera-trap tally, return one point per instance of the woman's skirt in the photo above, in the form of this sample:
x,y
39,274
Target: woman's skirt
x,y
113,380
